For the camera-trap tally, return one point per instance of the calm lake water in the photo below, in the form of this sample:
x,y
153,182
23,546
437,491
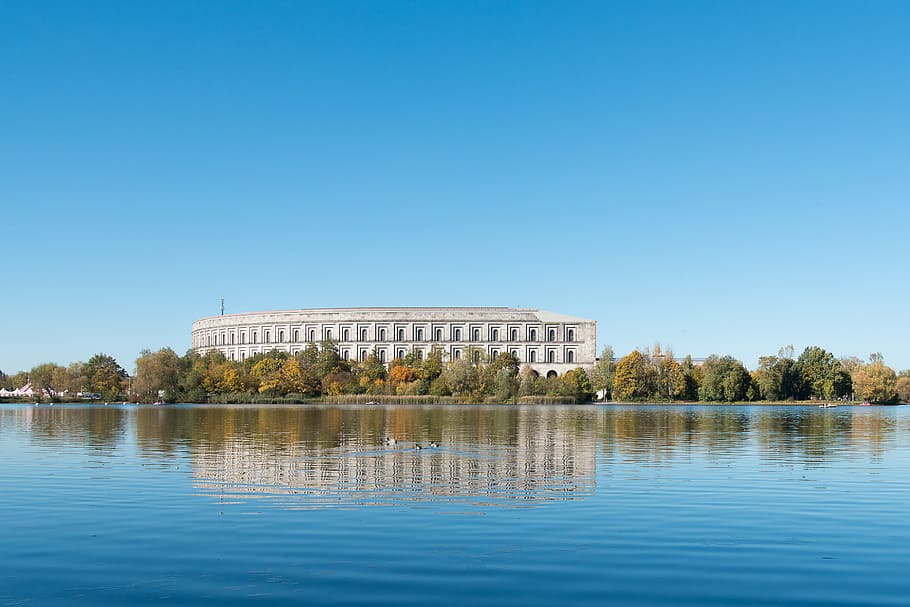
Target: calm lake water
x,y
583,505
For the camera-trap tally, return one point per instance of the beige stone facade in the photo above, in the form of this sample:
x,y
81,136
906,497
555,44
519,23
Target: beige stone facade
x,y
548,341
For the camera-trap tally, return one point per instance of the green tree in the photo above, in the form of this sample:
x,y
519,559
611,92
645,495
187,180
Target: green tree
x,y
76,379
18,380
372,373
463,378
157,373
190,388
507,361
429,370
327,360
779,377
501,377
819,370
42,378
505,385
527,381
104,376
602,373
579,385
434,364
724,379
691,379
667,376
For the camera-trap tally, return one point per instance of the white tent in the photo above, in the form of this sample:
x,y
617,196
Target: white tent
x,y
25,390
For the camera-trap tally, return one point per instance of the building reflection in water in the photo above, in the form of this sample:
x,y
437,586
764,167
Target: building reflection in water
x,y
319,455
511,456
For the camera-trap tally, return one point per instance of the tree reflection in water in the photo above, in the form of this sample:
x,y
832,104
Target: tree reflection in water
x,y
310,456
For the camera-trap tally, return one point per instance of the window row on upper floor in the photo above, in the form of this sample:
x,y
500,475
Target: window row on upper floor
x,y
381,334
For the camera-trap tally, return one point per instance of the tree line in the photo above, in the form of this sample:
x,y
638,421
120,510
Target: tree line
x,y
101,376
318,370
815,374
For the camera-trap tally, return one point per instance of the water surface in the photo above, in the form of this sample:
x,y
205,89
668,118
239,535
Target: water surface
x,y
579,505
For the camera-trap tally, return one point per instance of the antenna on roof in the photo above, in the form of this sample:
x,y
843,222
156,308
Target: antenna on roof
x,y
222,305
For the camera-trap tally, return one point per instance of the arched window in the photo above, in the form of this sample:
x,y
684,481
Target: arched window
x,y
570,335
223,339
514,353
419,335
532,356
255,337
312,335
438,335
419,354
570,356
243,338
513,335
345,354
456,354
456,334
400,354
381,334
475,356
281,336
328,334
232,339
208,340
400,335
296,335
268,337
532,335
346,335
551,335
551,356
363,335
494,354
475,335
242,356
382,356
216,339
494,334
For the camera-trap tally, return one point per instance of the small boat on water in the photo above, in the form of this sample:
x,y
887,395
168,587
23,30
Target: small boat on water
x,y
828,406
372,402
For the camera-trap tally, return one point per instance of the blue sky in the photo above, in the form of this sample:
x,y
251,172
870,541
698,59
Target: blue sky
x,y
720,177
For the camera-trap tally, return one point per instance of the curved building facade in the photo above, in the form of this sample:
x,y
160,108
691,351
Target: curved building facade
x,y
548,341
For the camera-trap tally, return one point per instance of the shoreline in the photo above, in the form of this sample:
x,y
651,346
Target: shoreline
x,y
449,401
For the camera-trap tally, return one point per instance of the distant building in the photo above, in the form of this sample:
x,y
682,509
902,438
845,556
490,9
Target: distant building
x,y
551,343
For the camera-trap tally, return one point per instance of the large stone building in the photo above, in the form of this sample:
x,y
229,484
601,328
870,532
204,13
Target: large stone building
x,y
548,341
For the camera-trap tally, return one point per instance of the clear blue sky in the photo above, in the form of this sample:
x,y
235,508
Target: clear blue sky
x,y
722,177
